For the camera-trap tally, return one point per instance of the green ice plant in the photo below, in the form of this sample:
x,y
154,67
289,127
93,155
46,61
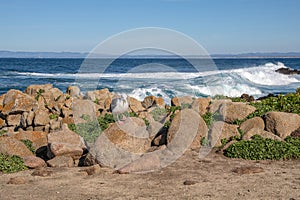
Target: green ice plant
x,y
10,164
264,148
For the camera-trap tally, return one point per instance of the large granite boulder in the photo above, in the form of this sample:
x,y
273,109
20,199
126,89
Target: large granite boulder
x,y
1,101
34,162
189,126
33,90
41,117
12,146
74,91
2,123
101,97
121,143
16,102
82,109
200,105
281,123
66,136
13,120
38,138
135,105
235,111
148,101
256,122
66,149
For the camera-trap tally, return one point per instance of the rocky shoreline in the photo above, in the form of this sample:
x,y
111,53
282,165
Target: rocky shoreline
x,y
70,129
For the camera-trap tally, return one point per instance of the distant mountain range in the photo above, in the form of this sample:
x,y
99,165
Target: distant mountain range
x,y
22,54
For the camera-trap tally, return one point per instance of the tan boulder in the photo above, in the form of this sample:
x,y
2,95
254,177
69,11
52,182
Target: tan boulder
x,y
82,109
256,122
13,120
200,105
33,90
58,95
17,102
235,111
262,133
66,149
179,101
281,123
69,103
120,144
30,117
12,146
101,97
73,91
61,161
23,119
2,123
66,136
131,135
1,101
135,105
188,127
221,130
38,138
55,124
160,102
41,117
34,162
148,101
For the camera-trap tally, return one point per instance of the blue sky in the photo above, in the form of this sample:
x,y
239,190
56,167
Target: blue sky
x,y
220,26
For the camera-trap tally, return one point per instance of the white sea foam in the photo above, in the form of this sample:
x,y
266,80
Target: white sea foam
x,y
266,75
262,75
232,82
227,90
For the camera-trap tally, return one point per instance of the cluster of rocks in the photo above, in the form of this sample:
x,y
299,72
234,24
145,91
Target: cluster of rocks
x,y
287,71
42,113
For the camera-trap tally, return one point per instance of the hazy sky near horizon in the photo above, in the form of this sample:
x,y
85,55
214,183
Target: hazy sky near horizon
x,y
220,26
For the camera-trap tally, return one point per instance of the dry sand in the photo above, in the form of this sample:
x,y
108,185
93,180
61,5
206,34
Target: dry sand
x,y
214,177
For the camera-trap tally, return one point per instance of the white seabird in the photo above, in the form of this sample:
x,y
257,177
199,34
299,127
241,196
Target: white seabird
x,y
119,106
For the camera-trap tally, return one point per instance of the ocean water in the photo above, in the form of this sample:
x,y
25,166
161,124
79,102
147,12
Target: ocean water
x,y
166,77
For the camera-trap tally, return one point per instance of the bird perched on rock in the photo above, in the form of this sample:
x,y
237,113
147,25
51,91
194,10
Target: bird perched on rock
x,y
119,106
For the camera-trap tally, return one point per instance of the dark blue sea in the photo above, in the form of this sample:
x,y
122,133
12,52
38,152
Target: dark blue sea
x,y
166,77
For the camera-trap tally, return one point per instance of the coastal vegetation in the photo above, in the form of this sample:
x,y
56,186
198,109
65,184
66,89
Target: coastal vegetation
x,y
10,164
259,148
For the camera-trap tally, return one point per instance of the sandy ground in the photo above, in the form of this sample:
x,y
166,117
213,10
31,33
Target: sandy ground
x,y
211,177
